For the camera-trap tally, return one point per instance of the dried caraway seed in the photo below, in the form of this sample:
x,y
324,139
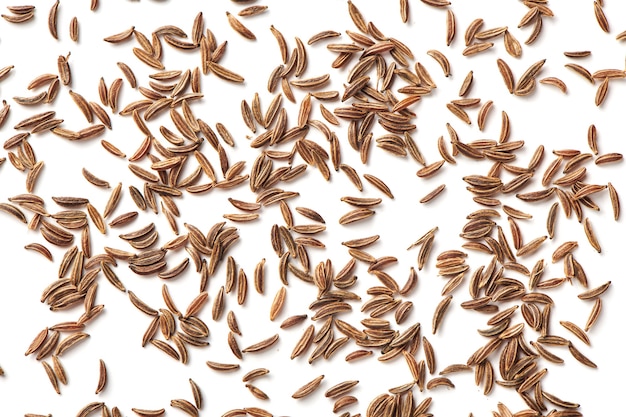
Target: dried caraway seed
x,y
185,406
197,394
440,310
595,292
95,180
37,247
74,29
581,71
600,16
166,348
262,345
14,211
217,366
507,75
141,412
577,331
255,373
277,304
434,193
102,379
52,19
591,237
51,376
557,82
356,215
252,11
257,392
59,371
308,388
234,347
580,357
378,183
594,314
239,27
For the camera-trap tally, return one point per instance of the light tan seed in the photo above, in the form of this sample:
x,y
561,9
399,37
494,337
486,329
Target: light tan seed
x,y
439,313
185,406
52,20
293,321
141,412
51,376
304,342
531,246
255,373
602,92
358,354
217,366
69,342
262,345
594,292
580,357
512,45
581,71
591,237
450,26
555,82
277,303
102,379
225,73
577,331
601,17
594,314
439,381
308,388
74,29
326,34
14,211
357,17
430,170
356,215
239,27
441,60
477,48
507,75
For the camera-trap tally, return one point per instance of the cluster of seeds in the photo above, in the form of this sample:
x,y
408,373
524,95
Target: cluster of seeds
x,y
384,84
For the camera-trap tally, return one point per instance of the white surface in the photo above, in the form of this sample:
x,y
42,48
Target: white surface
x,y
145,377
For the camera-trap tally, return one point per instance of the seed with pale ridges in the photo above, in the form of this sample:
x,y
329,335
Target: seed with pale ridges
x,y
102,379
239,27
434,193
69,342
308,388
440,310
51,376
262,345
217,366
148,413
185,406
438,382
577,331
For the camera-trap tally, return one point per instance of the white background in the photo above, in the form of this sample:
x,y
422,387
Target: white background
x,y
145,377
